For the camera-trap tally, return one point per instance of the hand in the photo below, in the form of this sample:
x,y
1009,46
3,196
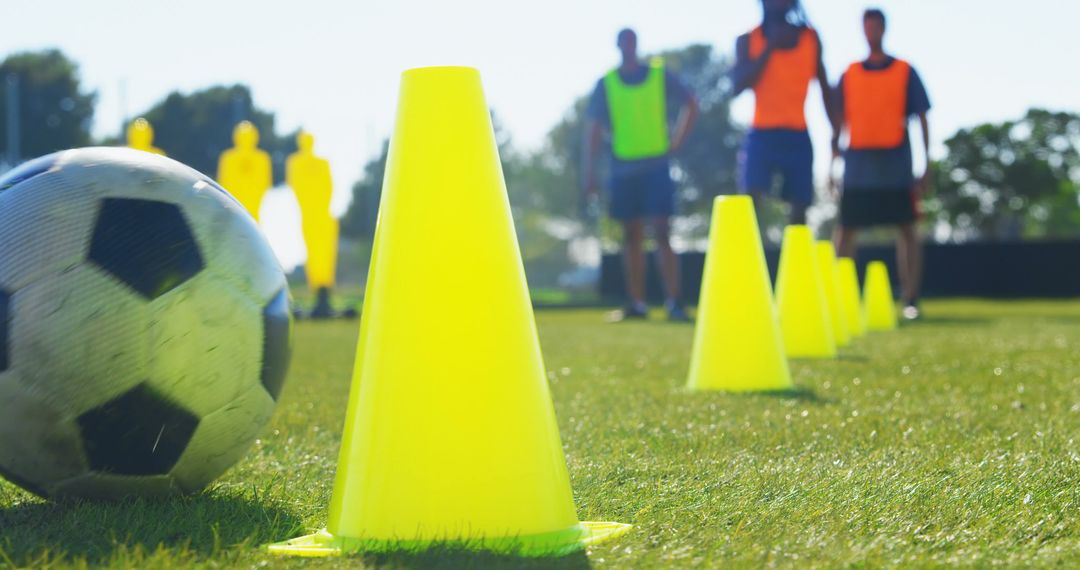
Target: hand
x,y
834,184
922,185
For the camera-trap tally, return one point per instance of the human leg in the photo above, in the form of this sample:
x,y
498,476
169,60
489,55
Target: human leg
x,y
669,261
909,261
845,239
634,260
797,166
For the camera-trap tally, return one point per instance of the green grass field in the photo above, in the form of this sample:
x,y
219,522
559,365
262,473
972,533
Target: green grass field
x,y
955,440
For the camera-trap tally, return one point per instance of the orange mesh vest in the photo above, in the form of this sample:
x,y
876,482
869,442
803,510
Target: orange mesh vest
x,y
780,93
875,105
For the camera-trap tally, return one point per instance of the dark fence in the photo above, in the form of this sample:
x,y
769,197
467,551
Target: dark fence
x,y
1000,270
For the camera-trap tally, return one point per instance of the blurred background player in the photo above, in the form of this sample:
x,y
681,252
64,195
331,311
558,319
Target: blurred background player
x,y
778,60
877,97
631,102
244,170
309,177
140,136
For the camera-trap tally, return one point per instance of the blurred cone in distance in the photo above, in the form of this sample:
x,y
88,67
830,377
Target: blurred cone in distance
x,y
737,342
826,257
847,282
800,298
878,298
450,436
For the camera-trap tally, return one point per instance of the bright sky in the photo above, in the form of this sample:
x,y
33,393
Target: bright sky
x,y
332,67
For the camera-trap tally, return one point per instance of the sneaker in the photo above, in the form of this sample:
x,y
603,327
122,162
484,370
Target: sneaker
x,y
676,313
911,311
628,313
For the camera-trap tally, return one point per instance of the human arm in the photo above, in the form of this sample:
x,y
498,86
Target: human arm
x,y
827,96
922,184
597,118
747,72
919,105
688,110
594,133
838,123
688,114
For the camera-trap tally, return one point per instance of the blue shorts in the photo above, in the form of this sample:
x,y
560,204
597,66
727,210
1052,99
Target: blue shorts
x,y
769,152
645,192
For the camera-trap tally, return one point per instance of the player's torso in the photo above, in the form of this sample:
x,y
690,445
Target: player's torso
x,y
637,107
875,103
780,93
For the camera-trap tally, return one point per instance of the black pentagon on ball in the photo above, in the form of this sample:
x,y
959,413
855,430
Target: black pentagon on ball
x,y
5,324
140,432
146,244
277,325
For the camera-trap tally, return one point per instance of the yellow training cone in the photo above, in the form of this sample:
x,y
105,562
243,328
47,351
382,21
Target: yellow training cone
x,y
878,299
826,257
737,344
800,298
847,282
450,436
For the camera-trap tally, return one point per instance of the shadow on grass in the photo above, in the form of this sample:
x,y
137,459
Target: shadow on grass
x,y
684,324
947,321
799,393
1064,319
448,557
202,524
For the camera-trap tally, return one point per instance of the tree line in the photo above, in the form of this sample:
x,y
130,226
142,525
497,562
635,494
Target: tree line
x,y
1018,179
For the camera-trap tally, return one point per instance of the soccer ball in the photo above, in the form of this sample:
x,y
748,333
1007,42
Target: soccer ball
x,y
144,326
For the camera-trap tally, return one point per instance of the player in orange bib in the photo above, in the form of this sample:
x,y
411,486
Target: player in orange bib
x,y
778,60
877,97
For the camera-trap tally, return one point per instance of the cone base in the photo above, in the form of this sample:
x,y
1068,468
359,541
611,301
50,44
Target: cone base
x,y
729,390
559,543
832,356
742,387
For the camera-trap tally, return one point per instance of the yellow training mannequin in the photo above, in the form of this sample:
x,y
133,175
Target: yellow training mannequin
x,y
309,177
244,170
140,136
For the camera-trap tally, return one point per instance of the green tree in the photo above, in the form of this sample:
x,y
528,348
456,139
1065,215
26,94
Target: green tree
x,y
359,219
195,128
54,112
706,165
1015,180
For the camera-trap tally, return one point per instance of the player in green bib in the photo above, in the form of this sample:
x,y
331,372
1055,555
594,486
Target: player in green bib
x,y
630,105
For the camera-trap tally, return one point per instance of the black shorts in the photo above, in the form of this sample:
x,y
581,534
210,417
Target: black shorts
x,y
860,208
645,193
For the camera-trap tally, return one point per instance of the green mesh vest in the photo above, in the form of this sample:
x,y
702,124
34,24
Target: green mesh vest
x,y
639,126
